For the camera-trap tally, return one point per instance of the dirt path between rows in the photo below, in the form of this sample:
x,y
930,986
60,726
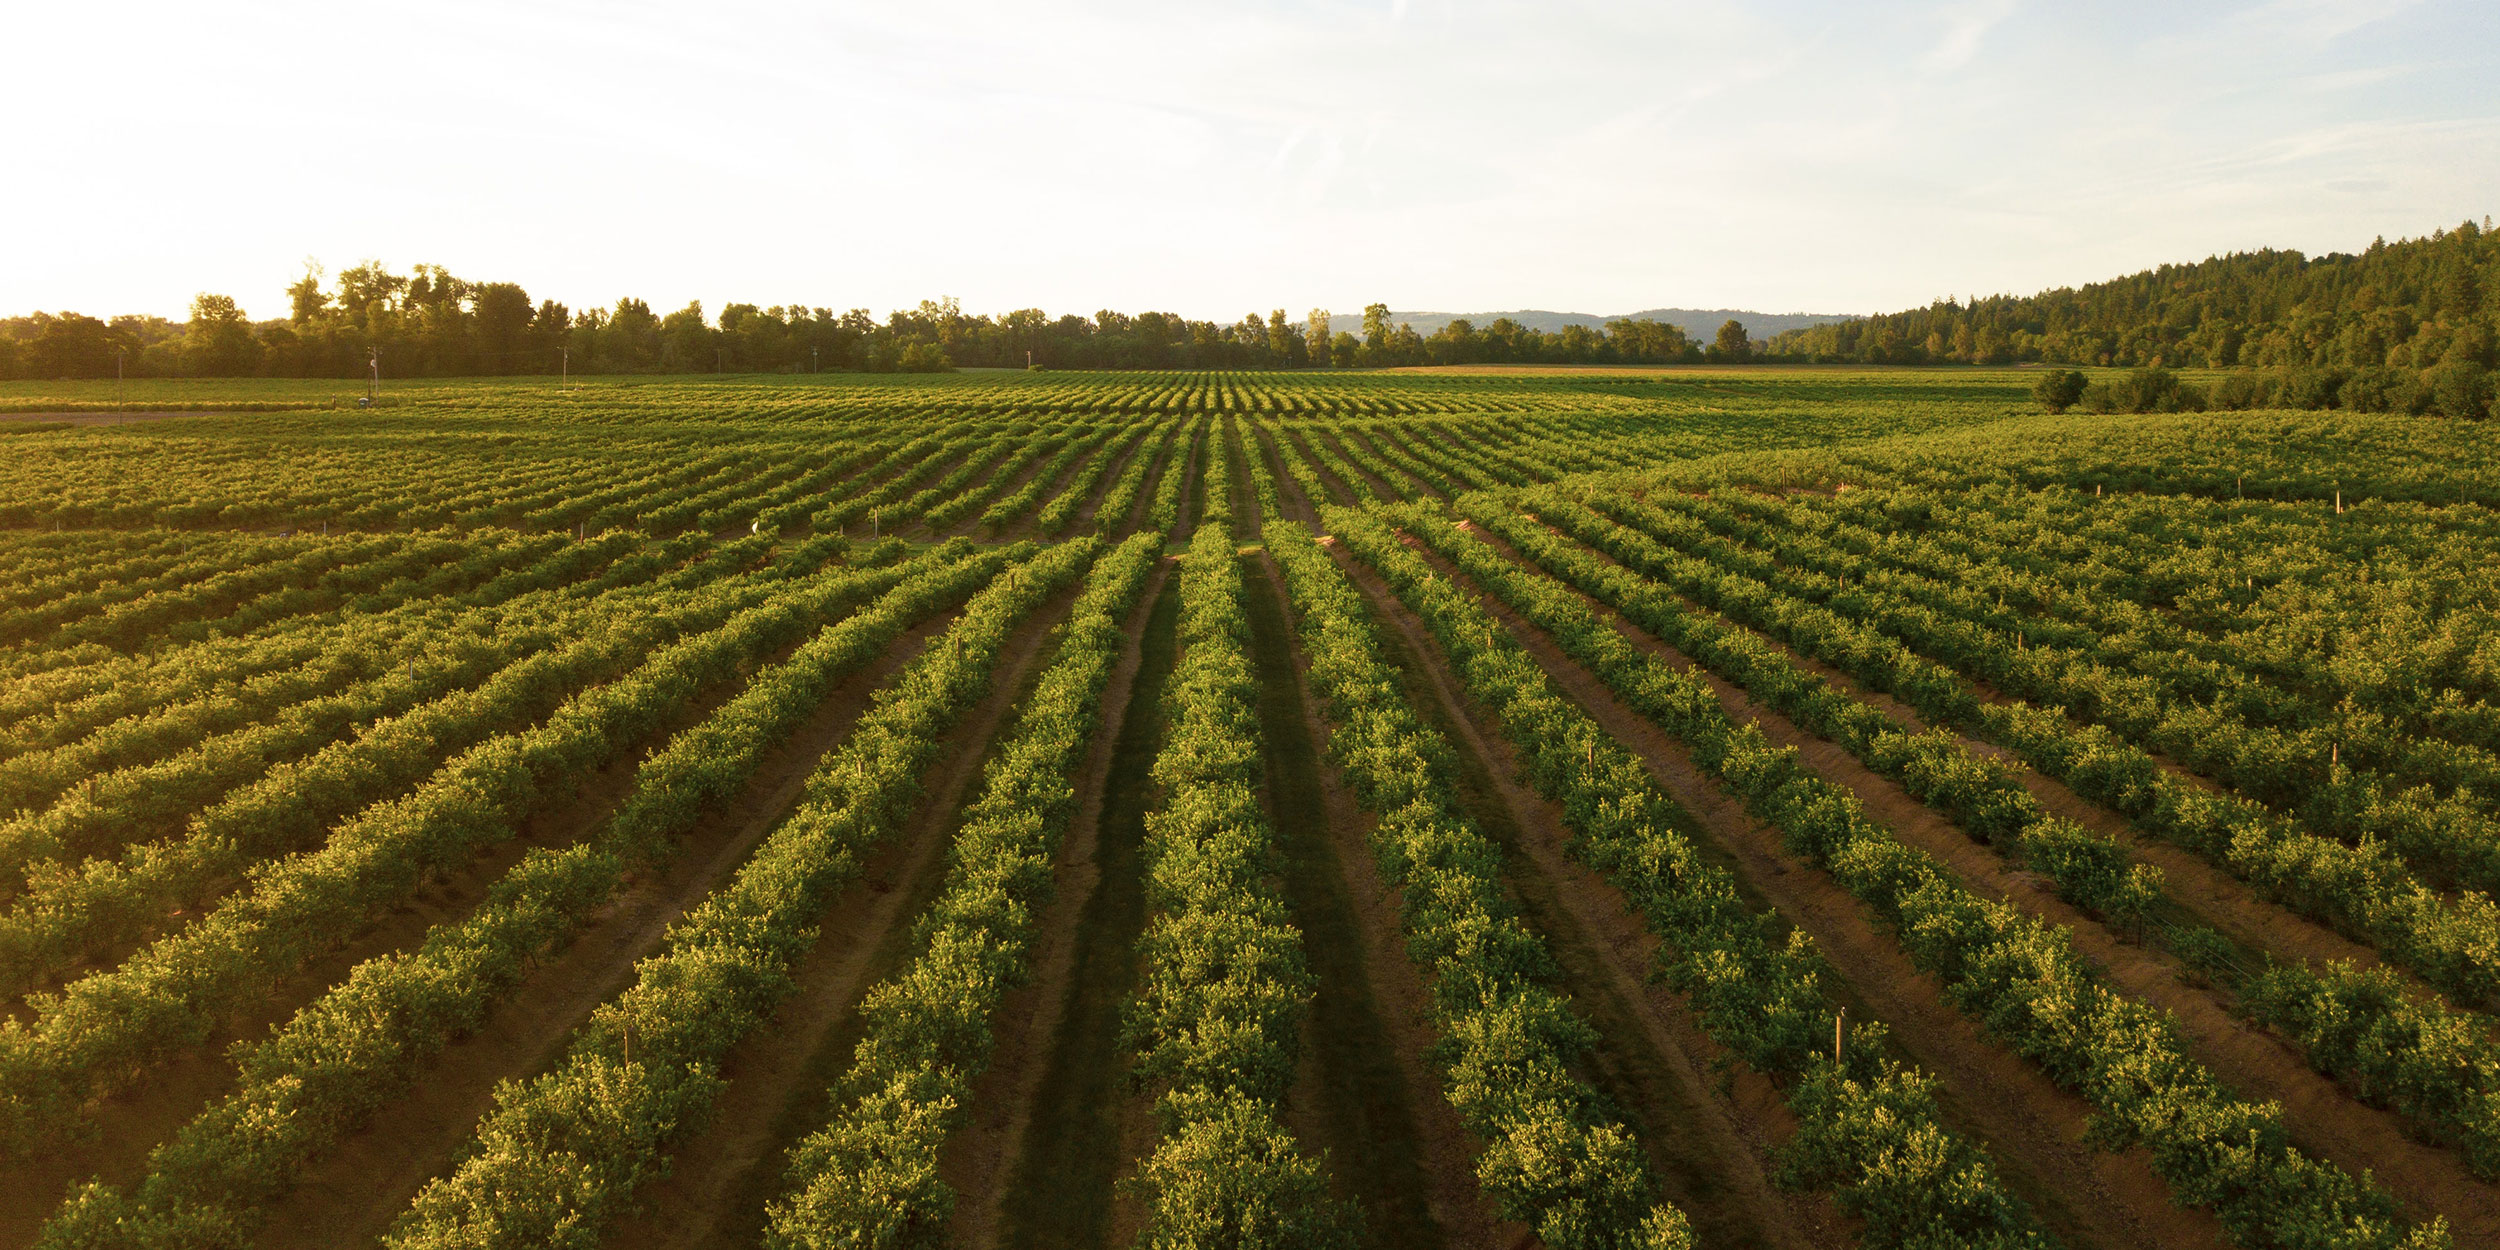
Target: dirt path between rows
x,y
1359,1097
357,1191
1071,1126
2033,1129
781,1077
1003,1098
1708,1143
2321,1116
1444,1152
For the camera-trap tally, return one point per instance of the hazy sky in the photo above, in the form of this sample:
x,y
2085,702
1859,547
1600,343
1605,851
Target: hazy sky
x,y
1214,159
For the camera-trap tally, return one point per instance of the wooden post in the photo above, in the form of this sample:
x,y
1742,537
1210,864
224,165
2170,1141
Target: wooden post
x,y
1837,1017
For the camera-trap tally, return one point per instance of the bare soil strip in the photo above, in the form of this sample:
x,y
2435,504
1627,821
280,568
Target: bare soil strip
x,y
781,1078
1707,1138
1002,1102
360,1189
1350,1096
1081,1128
2322,1118
2033,1129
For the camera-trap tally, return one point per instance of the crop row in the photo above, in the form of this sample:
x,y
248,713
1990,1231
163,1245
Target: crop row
x,y
1554,1158
1869,1128
2020,977
2365,890
2442,1071
348,1053
561,1154
1222,982
102,1030
870,1176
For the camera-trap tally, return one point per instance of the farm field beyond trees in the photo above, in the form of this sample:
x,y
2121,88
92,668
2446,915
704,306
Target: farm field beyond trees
x,y
1790,807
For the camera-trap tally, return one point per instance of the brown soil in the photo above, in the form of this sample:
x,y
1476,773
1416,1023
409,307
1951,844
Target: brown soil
x,y
780,1077
1709,1142
2033,1129
370,1179
1396,987
979,1158
2322,1117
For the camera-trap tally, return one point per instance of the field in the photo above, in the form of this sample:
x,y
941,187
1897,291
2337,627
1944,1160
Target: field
x,y
1455,809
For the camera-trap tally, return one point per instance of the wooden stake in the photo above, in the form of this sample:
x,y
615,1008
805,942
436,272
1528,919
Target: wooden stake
x,y
1837,1017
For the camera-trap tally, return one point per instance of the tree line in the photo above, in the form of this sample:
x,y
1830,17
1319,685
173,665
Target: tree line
x,y
2410,305
432,323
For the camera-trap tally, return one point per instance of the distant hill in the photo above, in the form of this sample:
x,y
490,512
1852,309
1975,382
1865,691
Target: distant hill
x,y
1698,323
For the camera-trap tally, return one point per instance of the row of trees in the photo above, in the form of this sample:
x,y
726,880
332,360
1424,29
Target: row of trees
x,y
2411,304
433,323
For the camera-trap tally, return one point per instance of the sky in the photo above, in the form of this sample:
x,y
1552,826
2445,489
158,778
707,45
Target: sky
x,y
1214,159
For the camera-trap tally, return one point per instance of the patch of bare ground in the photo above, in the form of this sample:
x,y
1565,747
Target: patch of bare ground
x,y
129,1124
2033,1130
781,1077
1003,1098
1708,1136
2322,1117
